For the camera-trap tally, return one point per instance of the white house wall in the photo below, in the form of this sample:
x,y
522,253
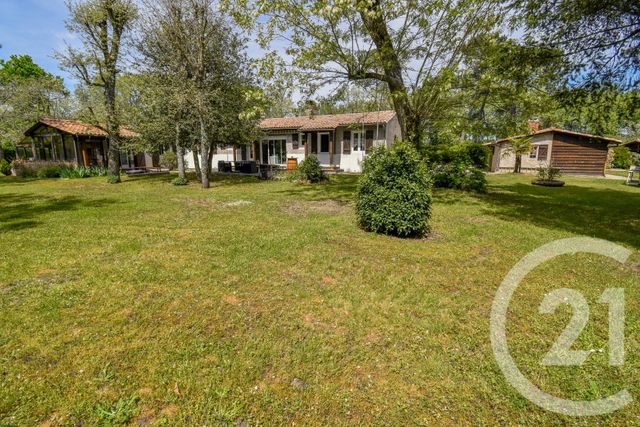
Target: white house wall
x,y
347,162
507,161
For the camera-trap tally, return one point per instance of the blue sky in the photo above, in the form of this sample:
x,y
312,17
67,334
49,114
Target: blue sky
x,y
35,28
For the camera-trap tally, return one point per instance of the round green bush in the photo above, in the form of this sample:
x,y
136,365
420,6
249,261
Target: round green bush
x,y
310,169
394,192
180,181
474,180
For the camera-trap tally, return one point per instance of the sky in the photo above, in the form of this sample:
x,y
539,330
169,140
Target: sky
x,y
35,28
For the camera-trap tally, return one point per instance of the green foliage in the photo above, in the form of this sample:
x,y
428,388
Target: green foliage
x,y
475,180
548,173
394,193
5,167
448,175
113,179
20,67
470,154
622,158
40,169
180,181
169,160
119,413
52,171
8,152
310,169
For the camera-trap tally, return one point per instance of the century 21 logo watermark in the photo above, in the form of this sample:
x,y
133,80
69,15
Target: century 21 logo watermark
x,y
561,353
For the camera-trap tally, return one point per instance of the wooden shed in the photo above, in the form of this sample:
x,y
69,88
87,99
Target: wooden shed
x,y
574,153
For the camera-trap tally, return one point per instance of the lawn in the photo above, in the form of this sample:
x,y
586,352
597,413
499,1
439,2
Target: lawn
x,y
263,303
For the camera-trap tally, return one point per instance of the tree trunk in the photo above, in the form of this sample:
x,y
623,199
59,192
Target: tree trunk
x,y
518,166
196,161
410,123
212,151
204,155
113,127
179,153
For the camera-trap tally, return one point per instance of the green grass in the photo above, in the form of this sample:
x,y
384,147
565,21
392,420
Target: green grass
x,y
152,304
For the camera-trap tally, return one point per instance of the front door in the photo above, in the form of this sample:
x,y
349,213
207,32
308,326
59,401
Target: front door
x,y
358,146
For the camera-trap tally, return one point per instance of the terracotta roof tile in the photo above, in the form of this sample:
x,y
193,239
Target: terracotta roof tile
x,y
76,127
323,122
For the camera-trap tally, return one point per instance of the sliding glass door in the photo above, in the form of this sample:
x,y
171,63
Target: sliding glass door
x,y
274,151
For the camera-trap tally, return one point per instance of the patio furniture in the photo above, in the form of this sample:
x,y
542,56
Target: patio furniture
x,y
224,167
245,166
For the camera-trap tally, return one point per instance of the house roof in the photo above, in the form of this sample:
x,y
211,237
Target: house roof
x,y
76,127
324,122
562,131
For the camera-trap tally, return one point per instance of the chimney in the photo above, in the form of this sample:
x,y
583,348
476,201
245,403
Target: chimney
x,y
534,125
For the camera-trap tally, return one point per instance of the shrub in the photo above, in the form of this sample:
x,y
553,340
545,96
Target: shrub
x,y
394,192
478,155
8,152
113,179
474,179
448,175
31,169
310,169
5,167
548,173
622,158
180,181
636,158
51,171
169,160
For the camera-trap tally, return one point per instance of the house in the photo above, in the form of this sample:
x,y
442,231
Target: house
x,y
340,141
574,153
76,142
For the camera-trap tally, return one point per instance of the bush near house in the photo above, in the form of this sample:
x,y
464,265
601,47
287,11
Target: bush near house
x,y
394,192
622,158
49,169
470,154
5,167
310,170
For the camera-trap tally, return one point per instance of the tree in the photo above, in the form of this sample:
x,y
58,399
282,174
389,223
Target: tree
x,y
102,27
27,92
204,62
601,37
414,47
519,147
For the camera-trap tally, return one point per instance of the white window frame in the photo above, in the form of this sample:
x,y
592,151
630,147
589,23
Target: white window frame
x,y
533,154
353,141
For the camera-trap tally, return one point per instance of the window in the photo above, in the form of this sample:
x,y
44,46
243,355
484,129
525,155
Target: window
x,y
295,139
543,152
357,141
533,154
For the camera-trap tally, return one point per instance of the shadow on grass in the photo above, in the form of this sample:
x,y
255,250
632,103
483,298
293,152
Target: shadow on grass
x,y
341,188
598,212
21,211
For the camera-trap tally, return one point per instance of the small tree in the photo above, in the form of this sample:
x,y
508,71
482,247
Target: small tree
x,y
519,147
101,26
